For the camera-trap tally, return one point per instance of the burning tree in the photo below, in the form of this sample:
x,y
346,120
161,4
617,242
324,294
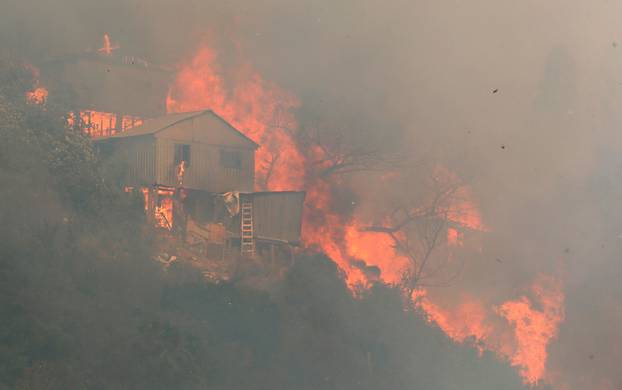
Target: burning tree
x,y
418,222
345,146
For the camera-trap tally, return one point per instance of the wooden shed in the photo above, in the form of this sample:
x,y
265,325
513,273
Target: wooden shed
x,y
277,216
254,222
217,157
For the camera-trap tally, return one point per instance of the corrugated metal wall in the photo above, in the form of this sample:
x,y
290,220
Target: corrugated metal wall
x,y
141,157
278,215
205,171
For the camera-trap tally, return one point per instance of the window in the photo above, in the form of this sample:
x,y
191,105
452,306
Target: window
x,y
182,153
230,159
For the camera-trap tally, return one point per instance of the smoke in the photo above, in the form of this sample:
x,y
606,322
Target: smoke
x,y
520,99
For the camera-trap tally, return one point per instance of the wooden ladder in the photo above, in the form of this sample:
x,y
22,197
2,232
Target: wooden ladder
x,y
247,242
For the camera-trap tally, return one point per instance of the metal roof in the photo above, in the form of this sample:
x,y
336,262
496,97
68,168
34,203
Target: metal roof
x,y
155,125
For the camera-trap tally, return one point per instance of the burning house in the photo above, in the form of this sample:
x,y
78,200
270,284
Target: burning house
x,y
194,169
196,172
111,91
216,157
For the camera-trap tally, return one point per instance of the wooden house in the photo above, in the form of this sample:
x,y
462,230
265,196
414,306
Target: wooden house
x,y
217,157
113,95
217,177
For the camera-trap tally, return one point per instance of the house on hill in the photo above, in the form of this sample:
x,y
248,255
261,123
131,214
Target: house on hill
x,y
217,158
195,171
200,155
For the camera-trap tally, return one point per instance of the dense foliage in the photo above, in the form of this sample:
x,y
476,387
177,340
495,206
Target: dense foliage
x,y
82,306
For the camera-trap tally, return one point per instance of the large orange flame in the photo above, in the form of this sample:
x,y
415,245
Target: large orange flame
x,y
516,331
468,321
102,124
533,328
259,109
525,344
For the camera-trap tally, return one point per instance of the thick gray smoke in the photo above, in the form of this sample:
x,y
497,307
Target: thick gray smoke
x,y
522,99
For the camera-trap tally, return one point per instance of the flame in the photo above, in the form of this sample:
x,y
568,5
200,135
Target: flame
x,y
107,47
325,231
515,331
102,124
164,208
461,210
531,330
468,321
464,212
260,109
39,94
145,192
534,329
455,237
375,251
98,124
180,171
129,121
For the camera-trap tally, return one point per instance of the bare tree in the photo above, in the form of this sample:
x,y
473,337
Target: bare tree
x,y
281,120
418,228
269,164
334,153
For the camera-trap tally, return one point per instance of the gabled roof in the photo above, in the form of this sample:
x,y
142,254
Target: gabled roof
x,y
155,125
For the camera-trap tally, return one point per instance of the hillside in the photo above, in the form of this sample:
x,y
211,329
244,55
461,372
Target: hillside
x,y
83,305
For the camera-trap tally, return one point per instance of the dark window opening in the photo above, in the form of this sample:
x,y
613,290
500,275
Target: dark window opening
x,y
182,153
231,159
